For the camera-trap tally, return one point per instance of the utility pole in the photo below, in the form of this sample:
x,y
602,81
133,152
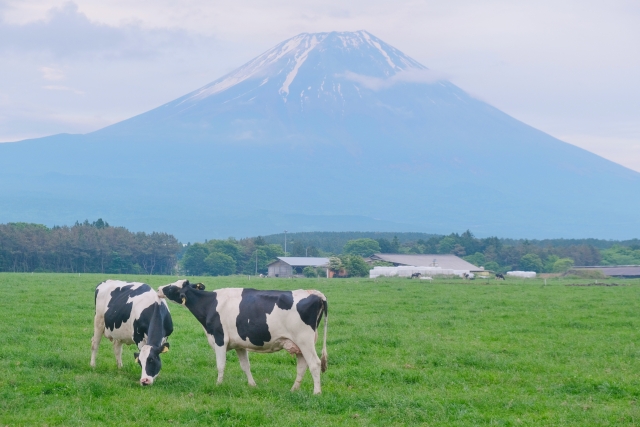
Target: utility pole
x,y
285,242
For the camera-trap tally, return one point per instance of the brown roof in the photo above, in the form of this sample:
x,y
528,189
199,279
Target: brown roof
x,y
446,261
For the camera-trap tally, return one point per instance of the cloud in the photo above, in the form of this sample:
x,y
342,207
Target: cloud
x,y
408,76
49,73
67,32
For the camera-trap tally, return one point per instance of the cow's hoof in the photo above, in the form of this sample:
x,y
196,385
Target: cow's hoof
x,y
252,384
295,387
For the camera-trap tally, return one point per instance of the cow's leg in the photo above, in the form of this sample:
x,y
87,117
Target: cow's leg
x,y
221,361
311,357
98,331
302,368
221,356
243,356
117,351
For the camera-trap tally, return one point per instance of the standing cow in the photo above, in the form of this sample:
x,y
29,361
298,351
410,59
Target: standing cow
x,y
132,313
261,321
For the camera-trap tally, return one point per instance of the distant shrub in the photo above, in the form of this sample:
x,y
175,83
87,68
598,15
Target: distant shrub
x,y
562,265
309,272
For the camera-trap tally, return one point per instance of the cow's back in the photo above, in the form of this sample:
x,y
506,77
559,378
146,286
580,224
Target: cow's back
x,y
260,320
119,304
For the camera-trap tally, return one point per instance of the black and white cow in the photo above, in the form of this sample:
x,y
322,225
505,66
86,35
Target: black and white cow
x,y
261,321
132,313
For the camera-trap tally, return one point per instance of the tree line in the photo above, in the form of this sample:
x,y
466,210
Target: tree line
x,y
230,256
492,253
86,247
97,247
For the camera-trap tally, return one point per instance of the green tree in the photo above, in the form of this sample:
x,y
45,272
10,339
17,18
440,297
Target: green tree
x,y
193,259
549,262
446,245
562,265
362,247
385,246
335,264
478,259
492,266
459,250
228,247
621,255
395,244
531,262
312,251
355,266
219,264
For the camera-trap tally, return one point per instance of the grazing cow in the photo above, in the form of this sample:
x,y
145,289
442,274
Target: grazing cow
x,y
415,275
500,276
261,321
132,313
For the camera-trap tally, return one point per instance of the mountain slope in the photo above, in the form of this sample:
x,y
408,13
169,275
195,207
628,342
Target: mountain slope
x,y
330,131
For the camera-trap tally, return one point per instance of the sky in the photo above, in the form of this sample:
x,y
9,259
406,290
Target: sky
x,y
569,68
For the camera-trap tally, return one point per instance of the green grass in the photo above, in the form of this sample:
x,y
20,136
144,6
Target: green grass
x,y
401,352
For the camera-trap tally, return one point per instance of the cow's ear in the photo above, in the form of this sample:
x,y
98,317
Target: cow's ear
x,y
165,348
199,286
137,356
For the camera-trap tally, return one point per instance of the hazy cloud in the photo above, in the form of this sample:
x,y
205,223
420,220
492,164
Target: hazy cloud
x,y
66,32
50,73
409,76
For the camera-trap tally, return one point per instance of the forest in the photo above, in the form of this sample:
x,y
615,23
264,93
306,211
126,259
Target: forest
x,y
85,247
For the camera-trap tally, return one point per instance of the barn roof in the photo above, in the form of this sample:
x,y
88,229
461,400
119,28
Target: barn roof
x,y
615,270
301,261
446,261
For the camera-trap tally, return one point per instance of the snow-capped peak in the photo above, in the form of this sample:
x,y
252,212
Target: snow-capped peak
x,y
356,53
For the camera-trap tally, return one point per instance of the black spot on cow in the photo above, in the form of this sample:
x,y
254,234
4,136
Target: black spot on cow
x,y
254,307
203,305
310,309
213,325
155,321
118,309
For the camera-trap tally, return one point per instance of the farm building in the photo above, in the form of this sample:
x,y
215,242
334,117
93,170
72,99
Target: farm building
x,y
444,261
622,271
290,266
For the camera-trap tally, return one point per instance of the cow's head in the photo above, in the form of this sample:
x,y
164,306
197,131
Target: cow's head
x,y
149,360
176,291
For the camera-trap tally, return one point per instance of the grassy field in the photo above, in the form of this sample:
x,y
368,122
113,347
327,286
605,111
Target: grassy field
x,y
401,352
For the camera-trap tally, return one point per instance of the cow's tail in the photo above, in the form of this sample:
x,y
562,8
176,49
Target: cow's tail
x,y
323,360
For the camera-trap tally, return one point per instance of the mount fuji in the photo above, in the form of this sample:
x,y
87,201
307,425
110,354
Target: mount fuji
x,y
329,131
